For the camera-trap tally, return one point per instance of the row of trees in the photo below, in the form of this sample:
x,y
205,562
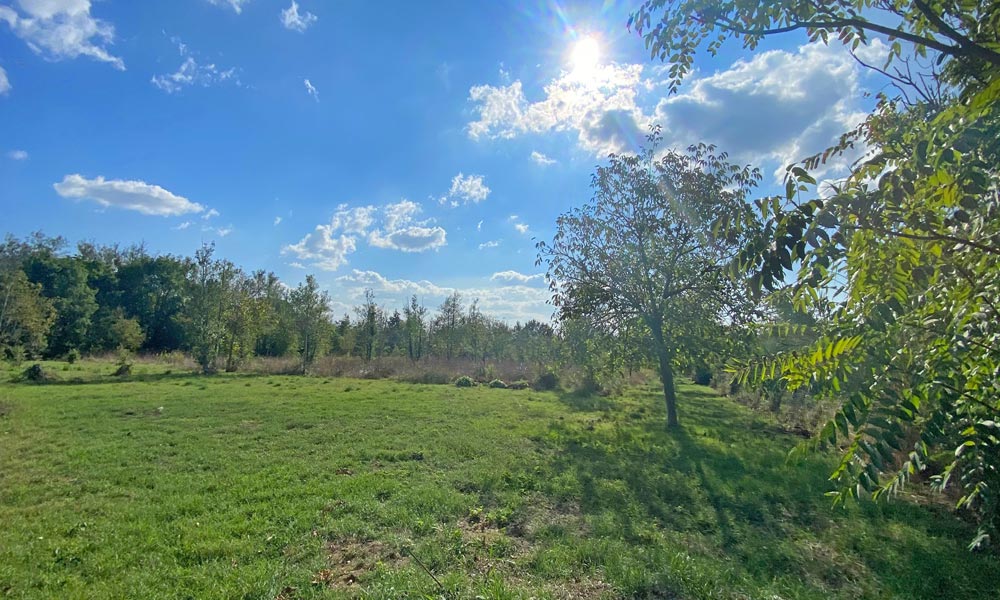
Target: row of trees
x,y
98,299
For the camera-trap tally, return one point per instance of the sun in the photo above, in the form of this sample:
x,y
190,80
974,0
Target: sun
x,y
585,57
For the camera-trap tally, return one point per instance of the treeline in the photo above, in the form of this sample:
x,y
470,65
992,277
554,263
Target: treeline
x,y
56,303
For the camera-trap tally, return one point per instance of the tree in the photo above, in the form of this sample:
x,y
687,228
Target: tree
x,y
447,325
905,254
25,315
309,309
202,313
415,328
644,249
369,325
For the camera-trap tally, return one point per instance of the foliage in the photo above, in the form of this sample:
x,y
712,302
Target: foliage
x,y
465,381
645,253
547,382
26,316
35,373
903,254
498,384
72,356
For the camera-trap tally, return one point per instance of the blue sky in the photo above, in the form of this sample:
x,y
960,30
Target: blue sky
x,y
407,147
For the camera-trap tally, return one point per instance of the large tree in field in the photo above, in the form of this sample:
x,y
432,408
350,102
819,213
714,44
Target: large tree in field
x,y
644,250
906,250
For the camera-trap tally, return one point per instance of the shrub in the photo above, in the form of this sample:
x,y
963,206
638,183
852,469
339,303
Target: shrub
x,y
72,356
35,373
499,384
702,375
124,364
14,354
547,382
520,384
464,381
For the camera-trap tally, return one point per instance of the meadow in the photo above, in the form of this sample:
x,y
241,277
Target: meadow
x,y
168,484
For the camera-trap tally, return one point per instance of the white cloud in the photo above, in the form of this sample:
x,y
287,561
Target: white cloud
x,y
466,188
212,213
777,106
329,245
518,225
17,155
601,109
324,247
291,18
311,90
277,221
190,72
4,83
224,231
479,225
62,29
489,244
509,302
296,265
236,5
515,276
780,105
139,196
183,226
402,233
540,159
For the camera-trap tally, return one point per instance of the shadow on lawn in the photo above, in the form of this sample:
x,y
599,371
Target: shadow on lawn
x,y
724,478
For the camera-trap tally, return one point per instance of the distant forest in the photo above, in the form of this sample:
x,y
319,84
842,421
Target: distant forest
x,y
55,302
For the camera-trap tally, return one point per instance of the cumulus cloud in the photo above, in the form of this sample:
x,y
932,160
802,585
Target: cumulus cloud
x,y
236,5
540,159
778,106
509,302
602,110
17,155
4,83
292,19
402,233
466,189
212,213
62,29
515,276
139,196
311,90
328,246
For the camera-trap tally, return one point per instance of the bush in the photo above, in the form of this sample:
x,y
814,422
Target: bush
x,y
72,356
464,381
702,375
35,373
520,384
497,383
124,364
547,382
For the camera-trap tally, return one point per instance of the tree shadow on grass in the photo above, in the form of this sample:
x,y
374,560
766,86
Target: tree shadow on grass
x,y
724,479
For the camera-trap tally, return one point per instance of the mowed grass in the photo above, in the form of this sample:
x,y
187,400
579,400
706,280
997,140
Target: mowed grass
x,y
171,485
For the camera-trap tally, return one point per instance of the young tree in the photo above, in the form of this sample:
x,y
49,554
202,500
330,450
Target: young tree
x,y
415,328
202,312
26,316
310,307
644,249
447,326
370,319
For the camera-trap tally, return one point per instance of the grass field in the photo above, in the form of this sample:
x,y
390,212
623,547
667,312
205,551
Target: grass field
x,y
171,485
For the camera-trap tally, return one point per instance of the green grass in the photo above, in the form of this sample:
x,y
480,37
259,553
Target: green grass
x,y
170,485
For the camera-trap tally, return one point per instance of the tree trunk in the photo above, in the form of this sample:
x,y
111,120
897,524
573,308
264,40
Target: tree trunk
x,y
669,394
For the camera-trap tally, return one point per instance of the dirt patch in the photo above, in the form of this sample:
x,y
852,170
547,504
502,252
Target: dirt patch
x,y
351,558
582,589
533,519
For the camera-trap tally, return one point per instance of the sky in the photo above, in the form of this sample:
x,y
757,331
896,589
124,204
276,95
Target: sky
x,y
410,148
